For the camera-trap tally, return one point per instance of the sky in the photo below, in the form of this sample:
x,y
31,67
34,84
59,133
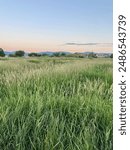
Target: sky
x,y
56,25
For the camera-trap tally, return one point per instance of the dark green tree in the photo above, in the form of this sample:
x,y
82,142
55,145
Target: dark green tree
x,y
2,54
62,54
19,53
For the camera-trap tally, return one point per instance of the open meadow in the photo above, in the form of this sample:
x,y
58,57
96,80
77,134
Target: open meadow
x,y
56,103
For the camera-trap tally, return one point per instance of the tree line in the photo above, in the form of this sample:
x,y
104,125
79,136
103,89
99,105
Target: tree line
x,y
21,53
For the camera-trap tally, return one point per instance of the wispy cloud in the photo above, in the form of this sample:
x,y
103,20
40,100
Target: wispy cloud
x,y
89,44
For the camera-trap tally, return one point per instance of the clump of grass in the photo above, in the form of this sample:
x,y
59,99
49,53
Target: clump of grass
x,y
56,107
34,61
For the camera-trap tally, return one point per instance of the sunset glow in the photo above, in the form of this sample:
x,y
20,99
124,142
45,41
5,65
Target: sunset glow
x,y
48,25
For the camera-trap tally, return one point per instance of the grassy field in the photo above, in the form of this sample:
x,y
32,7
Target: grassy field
x,y
55,104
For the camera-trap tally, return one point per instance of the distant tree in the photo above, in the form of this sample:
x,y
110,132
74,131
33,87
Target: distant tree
x,y
77,55
92,55
111,56
39,55
44,54
34,55
19,53
62,54
56,54
2,54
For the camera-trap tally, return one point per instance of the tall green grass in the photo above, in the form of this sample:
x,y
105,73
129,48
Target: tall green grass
x,y
56,106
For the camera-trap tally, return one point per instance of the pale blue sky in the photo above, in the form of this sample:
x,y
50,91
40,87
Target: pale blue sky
x,y
36,25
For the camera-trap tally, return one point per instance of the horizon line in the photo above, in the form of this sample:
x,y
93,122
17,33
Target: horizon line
x,y
58,51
